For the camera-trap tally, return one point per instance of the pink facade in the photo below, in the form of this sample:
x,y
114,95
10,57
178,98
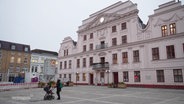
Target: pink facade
x,y
115,46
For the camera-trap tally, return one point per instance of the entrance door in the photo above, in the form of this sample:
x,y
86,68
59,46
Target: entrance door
x,y
115,74
91,79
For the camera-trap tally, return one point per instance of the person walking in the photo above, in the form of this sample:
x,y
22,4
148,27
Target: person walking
x,y
59,86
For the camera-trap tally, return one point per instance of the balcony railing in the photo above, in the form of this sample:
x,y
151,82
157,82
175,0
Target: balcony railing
x,y
101,46
100,66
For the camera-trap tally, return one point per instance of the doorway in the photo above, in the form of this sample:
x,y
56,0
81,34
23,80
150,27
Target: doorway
x,y
91,79
116,80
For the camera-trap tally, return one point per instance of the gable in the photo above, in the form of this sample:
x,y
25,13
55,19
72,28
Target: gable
x,y
102,19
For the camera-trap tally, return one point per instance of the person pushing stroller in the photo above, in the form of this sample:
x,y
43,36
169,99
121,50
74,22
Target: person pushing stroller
x,y
49,93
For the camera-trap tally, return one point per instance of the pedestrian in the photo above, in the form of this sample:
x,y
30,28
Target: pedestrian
x,y
59,86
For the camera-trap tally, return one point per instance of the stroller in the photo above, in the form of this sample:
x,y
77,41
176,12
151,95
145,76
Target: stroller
x,y
49,94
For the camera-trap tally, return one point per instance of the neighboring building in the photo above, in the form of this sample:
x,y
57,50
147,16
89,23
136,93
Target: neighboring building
x,y
14,60
43,65
115,46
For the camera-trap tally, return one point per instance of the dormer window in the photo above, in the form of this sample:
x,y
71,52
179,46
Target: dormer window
x,y
172,28
164,30
12,47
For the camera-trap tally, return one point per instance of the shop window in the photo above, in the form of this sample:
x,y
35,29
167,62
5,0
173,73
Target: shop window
x,y
137,76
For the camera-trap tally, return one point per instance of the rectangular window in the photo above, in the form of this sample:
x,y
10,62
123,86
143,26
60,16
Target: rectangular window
x,y
124,39
125,76
65,64
164,30
25,60
125,57
137,76
66,52
114,58
102,74
172,27
123,26
83,76
70,77
61,65
90,61
91,47
60,75
78,63
114,41
102,45
102,59
178,77
155,53
91,36
12,59
18,60
32,69
114,29
84,62
160,76
85,37
136,56
26,49
12,47
170,52
64,75
36,69
77,76
70,64
84,48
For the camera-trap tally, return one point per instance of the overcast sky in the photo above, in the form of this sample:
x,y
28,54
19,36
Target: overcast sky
x,y
43,24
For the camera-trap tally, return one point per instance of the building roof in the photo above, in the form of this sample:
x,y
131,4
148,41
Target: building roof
x,y
5,45
39,51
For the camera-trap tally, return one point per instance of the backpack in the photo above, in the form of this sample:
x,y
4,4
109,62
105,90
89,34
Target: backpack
x,y
60,85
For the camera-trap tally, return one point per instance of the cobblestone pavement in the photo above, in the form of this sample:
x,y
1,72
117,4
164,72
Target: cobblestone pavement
x,y
95,95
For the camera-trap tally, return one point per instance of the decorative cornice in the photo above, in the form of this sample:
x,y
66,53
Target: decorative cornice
x,y
167,11
173,18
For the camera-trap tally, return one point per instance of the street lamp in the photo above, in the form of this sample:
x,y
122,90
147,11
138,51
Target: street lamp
x,y
108,71
76,77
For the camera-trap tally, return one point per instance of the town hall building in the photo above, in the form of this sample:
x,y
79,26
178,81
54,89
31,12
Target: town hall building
x,y
114,46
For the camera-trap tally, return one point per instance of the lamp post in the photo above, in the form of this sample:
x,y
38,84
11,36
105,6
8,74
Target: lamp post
x,y
76,77
108,71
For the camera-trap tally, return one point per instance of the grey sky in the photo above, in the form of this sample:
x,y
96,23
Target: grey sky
x,y
43,24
